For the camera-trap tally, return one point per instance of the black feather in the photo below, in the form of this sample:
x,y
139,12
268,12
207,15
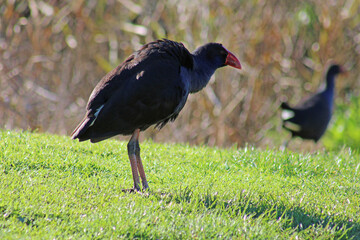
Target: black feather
x,y
314,114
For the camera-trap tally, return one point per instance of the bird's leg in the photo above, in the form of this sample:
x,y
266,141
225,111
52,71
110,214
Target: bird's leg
x,y
140,166
132,157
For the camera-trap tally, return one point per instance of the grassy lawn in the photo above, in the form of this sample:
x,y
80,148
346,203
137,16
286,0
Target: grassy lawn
x,y
56,188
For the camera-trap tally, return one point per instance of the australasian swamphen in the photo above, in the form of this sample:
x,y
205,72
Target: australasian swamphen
x,y
309,119
149,88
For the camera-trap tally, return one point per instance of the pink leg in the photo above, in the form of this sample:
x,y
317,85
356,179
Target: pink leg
x,y
133,162
136,163
141,168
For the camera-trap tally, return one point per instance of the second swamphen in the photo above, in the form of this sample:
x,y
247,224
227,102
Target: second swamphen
x,y
149,88
309,119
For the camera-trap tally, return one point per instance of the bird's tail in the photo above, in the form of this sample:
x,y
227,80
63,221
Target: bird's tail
x,y
84,131
287,112
81,129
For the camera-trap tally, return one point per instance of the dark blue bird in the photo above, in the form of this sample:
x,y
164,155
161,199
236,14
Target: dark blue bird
x,y
149,88
309,119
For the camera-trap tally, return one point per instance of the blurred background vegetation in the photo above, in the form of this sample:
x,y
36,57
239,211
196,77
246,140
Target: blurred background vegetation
x,y
52,54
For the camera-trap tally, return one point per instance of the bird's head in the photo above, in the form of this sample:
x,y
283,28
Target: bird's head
x,y
217,55
336,69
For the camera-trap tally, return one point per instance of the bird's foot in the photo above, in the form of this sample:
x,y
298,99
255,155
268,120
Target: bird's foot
x,y
130,190
135,190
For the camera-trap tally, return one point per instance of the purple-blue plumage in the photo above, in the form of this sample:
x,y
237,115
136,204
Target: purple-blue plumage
x,y
312,116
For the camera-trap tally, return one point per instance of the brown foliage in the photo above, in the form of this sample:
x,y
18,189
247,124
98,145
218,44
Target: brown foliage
x,y
53,53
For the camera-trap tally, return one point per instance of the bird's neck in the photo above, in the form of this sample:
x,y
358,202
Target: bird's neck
x,y
200,75
329,90
330,82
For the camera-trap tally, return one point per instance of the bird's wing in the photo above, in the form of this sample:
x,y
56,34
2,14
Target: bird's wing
x,y
152,57
310,117
144,90
292,114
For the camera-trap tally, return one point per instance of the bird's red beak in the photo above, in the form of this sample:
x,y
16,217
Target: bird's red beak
x,y
232,61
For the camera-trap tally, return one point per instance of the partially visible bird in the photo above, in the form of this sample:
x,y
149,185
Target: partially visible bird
x,y
309,119
149,88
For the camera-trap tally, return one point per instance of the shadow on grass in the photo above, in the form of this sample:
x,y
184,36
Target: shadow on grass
x,y
295,217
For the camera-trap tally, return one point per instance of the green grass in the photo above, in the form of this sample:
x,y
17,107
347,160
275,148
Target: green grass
x,y
344,128
56,188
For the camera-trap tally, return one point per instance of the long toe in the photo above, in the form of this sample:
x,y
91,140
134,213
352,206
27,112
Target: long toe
x,y
131,190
